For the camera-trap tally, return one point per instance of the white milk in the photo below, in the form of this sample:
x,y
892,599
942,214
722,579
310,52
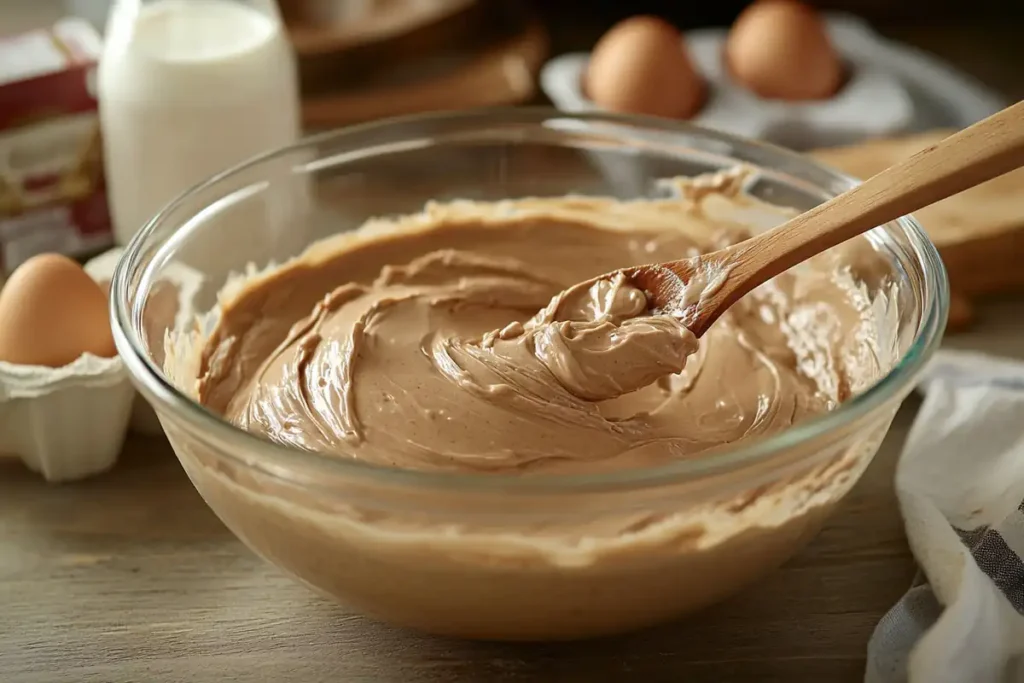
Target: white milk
x,y
189,88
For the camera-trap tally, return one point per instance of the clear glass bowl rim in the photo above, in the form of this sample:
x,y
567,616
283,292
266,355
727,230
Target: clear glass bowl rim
x,y
288,463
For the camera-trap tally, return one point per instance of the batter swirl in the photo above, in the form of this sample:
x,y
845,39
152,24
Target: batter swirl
x,y
444,341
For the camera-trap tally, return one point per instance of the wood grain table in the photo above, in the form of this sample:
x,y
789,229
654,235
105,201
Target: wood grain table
x,y
129,578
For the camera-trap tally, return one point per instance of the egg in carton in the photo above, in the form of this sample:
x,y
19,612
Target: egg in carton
x,y
869,103
169,306
65,396
66,400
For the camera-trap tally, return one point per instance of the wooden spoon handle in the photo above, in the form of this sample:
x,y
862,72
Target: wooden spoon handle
x,y
987,149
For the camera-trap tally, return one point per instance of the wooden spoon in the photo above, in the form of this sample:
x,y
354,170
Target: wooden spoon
x,y
700,289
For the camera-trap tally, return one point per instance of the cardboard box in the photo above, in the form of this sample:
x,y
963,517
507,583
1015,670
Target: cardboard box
x,y
52,193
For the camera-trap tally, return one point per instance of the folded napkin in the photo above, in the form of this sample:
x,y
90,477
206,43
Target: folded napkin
x,y
960,484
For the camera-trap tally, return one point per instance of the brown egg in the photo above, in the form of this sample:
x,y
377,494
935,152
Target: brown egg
x,y
780,49
51,312
641,66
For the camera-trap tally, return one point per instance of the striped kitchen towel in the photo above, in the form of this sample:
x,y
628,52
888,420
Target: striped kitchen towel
x,y
960,484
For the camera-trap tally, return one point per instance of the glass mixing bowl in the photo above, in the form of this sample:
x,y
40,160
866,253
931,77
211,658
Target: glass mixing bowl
x,y
498,556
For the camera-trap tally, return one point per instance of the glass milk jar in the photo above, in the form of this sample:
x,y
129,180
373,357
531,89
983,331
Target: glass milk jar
x,y
189,88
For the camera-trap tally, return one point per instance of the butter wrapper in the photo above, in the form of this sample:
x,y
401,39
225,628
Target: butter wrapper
x,y
170,306
65,423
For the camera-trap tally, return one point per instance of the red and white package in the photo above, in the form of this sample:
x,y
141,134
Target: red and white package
x,y
52,193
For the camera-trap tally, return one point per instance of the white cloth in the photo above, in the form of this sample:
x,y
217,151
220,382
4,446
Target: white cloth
x,y
960,484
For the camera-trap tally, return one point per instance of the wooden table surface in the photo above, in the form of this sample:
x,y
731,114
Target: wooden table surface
x,y
130,578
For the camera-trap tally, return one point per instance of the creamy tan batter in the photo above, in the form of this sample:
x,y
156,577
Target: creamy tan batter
x,y
444,342
427,350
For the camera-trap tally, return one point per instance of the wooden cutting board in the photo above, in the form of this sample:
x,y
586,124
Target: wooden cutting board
x,y
980,232
361,60
504,74
318,26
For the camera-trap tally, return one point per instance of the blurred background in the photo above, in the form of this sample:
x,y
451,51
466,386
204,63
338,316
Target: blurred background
x,y
981,36
806,75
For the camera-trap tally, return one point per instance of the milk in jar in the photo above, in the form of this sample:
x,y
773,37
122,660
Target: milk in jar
x,y
190,88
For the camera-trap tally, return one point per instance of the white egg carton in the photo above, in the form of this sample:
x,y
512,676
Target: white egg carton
x,y
889,90
65,423
70,423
